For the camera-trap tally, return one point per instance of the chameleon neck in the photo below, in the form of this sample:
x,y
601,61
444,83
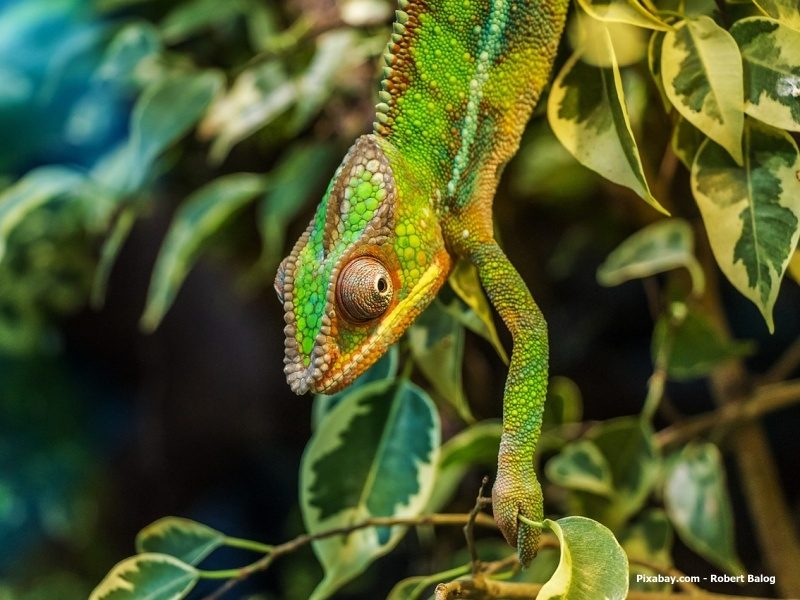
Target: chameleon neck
x,y
461,80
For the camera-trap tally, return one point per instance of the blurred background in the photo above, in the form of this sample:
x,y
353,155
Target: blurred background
x,y
113,115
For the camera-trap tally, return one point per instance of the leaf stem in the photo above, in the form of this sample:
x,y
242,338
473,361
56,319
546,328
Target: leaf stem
x,y
530,522
251,545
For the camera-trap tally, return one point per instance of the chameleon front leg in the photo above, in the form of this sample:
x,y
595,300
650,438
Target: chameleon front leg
x,y
516,490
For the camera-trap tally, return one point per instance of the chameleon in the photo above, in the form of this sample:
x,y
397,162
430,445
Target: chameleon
x,y
415,196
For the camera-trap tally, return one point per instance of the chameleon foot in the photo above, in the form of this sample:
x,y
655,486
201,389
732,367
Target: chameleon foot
x,y
517,492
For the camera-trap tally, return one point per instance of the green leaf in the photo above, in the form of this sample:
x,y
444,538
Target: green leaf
x,y
751,212
264,92
130,47
373,456
147,577
436,340
477,445
702,73
384,369
785,11
190,18
630,452
186,540
659,247
697,346
696,499
581,466
771,54
466,284
200,216
648,539
109,252
167,110
586,109
686,140
37,187
622,11
305,169
259,95
580,575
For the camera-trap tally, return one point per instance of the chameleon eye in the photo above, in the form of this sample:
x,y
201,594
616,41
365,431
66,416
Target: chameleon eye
x,y
364,289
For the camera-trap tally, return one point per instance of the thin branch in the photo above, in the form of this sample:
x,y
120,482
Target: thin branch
x,y
480,502
264,563
765,399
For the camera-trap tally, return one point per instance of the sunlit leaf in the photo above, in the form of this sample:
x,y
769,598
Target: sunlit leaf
x,y
751,212
581,466
624,11
589,36
436,340
184,539
37,187
702,73
696,499
648,539
785,11
586,109
373,456
580,575
771,54
793,269
466,284
266,91
697,346
662,246
477,445
147,577
197,219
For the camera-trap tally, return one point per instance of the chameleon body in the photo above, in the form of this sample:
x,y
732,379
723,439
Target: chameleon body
x,y
460,82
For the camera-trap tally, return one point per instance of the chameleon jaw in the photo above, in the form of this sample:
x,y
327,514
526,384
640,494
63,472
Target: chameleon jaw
x,y
320,378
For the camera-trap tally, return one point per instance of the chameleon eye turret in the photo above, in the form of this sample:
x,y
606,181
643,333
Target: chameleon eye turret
x,y
364,289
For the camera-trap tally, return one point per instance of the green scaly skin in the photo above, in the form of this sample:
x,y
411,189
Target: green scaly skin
x,y
461,81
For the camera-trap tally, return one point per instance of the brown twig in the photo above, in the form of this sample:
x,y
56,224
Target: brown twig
x,y
480,502
264,563
765,399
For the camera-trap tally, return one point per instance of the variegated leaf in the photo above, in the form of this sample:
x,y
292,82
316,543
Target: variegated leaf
x,y
785,11
587,112
578,576
751,212
374,455
148,576
659,247
771,54
702,72
186,540
697,502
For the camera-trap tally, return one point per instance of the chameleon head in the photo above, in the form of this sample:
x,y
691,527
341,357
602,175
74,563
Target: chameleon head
x,y
370,261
